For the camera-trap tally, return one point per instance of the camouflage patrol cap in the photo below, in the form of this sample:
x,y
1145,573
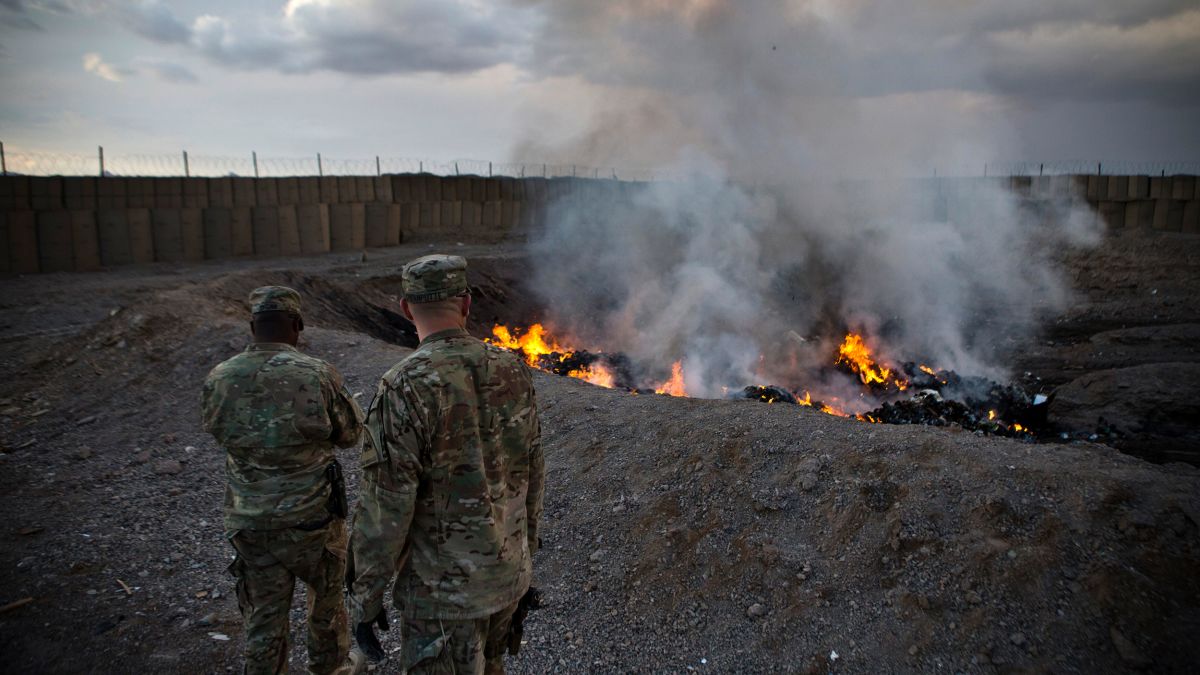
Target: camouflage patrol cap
x,y
434,277
274,299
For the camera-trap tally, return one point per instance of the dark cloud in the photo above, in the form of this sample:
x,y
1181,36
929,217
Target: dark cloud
x,y
1067,49
1107,49
372,37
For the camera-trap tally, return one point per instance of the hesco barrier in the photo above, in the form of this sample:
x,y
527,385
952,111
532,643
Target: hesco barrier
x,y
52,224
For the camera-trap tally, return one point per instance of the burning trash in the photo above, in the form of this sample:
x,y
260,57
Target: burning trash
x,y
942,397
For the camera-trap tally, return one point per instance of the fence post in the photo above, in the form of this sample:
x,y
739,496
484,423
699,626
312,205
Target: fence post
x,y
420,166
572,171
456,168
1099,169
543,171
254,158
101,148
1041,169
378,172
3,162
320,171
489,169
187,172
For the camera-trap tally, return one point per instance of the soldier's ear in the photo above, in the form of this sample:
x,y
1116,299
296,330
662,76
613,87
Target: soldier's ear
x,y
466,304
299,324
405,309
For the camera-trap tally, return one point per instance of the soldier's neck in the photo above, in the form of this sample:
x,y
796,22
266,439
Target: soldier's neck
x,y
292,340
427,327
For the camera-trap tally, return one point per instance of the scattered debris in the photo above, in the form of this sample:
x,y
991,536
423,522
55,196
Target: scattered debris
x,y
15,604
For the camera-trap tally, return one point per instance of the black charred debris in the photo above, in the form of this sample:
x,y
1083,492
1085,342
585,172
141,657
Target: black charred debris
x,y
617,364
935,398
941,398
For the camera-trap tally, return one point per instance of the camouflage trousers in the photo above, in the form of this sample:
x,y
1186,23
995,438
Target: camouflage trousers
x,y
471,646
267,565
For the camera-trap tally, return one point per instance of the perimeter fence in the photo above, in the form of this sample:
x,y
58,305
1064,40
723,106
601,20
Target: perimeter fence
x,y
185,164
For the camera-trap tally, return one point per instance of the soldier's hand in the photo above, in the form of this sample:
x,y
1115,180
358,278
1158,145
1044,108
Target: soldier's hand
x,y
364,635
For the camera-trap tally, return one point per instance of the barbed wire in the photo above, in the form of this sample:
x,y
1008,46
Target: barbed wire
x,y
1088,167
34,163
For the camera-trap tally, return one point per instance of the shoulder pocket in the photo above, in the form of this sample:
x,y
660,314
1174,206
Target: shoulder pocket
x,y
370,455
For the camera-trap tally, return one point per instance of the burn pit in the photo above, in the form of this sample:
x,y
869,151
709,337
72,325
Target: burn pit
x,y
911,393
872,389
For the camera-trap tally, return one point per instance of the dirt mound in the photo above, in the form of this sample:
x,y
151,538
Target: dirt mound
x,y
1154,406
755,536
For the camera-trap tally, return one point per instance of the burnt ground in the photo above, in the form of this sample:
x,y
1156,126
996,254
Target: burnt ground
x,y
679,534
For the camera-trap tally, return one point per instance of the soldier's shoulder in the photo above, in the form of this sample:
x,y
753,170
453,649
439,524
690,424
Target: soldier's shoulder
x,y
318,368
498,352
231,367
418,365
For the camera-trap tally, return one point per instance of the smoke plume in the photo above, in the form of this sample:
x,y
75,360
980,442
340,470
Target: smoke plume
x,y
796,209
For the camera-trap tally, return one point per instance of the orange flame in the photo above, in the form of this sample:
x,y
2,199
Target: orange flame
x,y
830,410
533,343
855,353
595,374
673,386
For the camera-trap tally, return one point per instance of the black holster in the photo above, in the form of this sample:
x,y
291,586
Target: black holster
x,y
337,504
516,630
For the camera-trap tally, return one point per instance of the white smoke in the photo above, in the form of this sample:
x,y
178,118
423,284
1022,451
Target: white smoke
x,y
795,213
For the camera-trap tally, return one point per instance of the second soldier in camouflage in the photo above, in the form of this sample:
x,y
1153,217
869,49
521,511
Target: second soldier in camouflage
x,y
452,485
278,414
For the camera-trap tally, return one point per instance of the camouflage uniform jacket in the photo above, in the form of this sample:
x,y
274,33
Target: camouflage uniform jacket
x,y
452,483
278,414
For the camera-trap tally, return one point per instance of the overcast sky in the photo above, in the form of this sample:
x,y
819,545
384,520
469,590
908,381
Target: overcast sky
x,y
621,82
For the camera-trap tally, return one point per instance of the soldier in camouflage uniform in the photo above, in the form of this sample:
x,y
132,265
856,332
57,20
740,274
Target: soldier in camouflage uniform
x,y
278,414
451,489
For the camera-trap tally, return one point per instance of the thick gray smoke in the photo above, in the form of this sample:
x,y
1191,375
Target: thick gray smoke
x,y
794,213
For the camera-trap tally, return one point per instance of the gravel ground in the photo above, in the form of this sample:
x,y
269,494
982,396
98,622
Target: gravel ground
x,y
727,536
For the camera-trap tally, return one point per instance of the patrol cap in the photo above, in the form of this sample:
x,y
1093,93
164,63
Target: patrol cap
x,y
434,277
274,299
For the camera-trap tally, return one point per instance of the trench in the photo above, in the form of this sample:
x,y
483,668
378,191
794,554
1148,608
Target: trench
x,y
501,294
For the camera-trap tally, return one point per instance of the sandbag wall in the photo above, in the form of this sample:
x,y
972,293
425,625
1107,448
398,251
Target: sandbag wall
x,y
1163,203
54,224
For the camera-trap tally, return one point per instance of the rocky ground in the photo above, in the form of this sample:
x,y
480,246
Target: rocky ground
x,y
680,534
